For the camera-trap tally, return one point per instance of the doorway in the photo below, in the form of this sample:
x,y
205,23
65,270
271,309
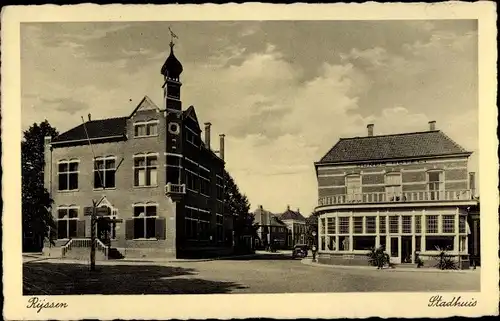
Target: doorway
x,y
395,258
406,249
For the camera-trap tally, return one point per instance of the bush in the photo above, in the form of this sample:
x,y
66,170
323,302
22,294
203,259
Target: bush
x,y
377,257
445,261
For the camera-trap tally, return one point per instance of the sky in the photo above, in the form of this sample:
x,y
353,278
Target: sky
x,y
283,92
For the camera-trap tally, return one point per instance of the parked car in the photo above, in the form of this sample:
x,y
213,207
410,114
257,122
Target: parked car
x,y
300,251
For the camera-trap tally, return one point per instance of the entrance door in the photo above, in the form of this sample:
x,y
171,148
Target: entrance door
x,y
104,230
395,258
406,249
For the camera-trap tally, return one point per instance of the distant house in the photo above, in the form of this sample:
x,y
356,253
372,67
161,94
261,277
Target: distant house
x,y
410,193
296,225
271,230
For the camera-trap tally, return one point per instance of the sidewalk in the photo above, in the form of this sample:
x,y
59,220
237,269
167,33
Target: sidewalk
x,y
308,261
28,258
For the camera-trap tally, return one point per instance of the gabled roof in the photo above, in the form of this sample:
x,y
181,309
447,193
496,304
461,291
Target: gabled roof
x,y
102,128
292,215
398,146
191,113
145,104
271,219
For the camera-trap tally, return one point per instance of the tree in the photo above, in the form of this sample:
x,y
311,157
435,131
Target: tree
x,y
36,201
238,205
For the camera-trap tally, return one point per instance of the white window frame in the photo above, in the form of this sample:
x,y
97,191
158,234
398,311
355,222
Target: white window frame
x,y
144,217
427,229
147,125
447,228
102,175
68,173
147,170
67,219
393,189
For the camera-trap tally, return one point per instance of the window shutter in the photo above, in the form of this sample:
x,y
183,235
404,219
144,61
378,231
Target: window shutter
x,y
80,229
160,228
129,229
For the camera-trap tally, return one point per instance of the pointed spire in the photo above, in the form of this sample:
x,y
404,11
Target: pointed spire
x,y
172,68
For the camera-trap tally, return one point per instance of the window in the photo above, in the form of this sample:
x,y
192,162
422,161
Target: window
x,y
67,218
220,188
205,186
322,243
394,247
363,242
393,224
370,225
145,170
437,243
331,225
344,243
191,223
382,225
145,129
219,220
353,188
192,138
323,226
435,184
418,224
332,246
383,241
432,224
358,225
191,180
462,224
406,224
418,240
344,225
145,221
393,186
68,175
104,172
448,223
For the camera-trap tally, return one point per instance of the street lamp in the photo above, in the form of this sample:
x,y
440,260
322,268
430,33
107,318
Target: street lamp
x,y
314,246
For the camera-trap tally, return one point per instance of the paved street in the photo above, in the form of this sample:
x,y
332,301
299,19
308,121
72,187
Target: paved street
x,y
262,274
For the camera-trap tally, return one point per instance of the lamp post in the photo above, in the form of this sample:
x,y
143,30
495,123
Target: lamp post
x,y
314,249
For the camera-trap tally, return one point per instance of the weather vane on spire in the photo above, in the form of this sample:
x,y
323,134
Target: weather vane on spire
x,y
172,36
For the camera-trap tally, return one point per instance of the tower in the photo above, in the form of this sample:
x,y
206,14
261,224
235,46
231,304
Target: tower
x,y
171,70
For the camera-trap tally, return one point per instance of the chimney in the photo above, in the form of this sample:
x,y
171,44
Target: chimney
x,y
288,207
370,129
207,134
432,125
221,147
472,183
298,210
90,117
261,207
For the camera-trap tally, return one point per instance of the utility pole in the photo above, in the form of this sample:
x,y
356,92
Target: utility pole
x,y
92,236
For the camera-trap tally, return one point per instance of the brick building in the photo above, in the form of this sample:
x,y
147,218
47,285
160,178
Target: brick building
x,y
296,225
161,182
409,192
270,229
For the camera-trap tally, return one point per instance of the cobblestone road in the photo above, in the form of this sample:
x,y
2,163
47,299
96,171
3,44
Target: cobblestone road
x,y
262,274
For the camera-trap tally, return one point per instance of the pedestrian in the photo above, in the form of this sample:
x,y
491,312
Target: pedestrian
x,y
314,252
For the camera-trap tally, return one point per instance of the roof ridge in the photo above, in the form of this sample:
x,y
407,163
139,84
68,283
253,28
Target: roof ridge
x,y
397,134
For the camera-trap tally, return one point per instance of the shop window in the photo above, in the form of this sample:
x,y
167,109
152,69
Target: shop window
x,y
382,225
437,243
344,243
322,243
418,242
393,224
332,246
344,225
406,224
370,225
448,223
331,225
394,247
418,224
358,225
323,226
431,224
363,242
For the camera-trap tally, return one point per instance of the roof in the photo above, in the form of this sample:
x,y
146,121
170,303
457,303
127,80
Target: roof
x,y
292,215
110,127
398,146
270,219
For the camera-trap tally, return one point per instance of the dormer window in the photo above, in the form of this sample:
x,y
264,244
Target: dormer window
x,y
146,129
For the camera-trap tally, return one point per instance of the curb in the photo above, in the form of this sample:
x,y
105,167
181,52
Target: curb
x,y
424,270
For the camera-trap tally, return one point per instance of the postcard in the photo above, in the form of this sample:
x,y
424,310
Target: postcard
x,y
249,160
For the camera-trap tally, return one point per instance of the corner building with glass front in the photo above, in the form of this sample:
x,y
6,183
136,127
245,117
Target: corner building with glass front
x,y
410,193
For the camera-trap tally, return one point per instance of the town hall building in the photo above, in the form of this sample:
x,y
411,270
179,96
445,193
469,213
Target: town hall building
x,y
410,193
160,182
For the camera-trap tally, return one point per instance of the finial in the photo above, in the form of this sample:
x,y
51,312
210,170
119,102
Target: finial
x,y
172,36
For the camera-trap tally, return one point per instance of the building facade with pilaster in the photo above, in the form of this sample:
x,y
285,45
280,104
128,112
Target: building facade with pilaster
x,y
410,193
160,181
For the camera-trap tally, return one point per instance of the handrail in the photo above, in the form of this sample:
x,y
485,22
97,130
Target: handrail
x,y
85,243
399,197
